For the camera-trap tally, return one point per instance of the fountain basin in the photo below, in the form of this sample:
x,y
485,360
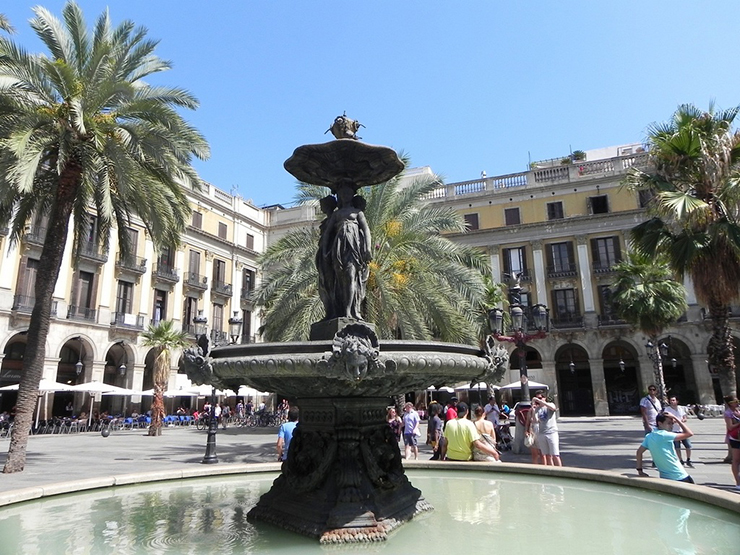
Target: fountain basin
x,y
511,506
307,368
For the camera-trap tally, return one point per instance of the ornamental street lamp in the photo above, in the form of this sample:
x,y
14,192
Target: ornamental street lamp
x,y
235,327
201,329
78,365
518,335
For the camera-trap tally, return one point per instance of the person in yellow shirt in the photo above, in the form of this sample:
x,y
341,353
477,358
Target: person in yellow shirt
x,y
462,435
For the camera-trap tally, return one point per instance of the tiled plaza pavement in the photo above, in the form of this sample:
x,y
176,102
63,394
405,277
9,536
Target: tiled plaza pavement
x,y
596,443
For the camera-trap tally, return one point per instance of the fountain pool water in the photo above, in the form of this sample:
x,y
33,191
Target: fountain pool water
x,y
475,512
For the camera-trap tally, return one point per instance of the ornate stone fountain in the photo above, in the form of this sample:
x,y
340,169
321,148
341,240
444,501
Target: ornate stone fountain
x,y
343,480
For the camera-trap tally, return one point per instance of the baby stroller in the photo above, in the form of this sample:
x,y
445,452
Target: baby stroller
x,y
504,437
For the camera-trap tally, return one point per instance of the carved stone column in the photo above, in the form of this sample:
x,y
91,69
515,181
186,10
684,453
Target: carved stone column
x,y
584,268
703,379
539,272
598,384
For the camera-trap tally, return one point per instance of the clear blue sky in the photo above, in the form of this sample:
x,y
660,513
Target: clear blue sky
x,y
459,86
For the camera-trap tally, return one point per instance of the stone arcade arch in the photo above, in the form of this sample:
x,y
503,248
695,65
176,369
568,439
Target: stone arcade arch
x,y
73,350
576,396
620,374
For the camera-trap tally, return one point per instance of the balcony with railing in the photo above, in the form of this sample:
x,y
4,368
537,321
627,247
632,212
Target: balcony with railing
x,y
196,281
567,269
567,321
129,321
92,252
576,172
524,277
610,320
604,267
35,235
131,264
221,288
24,305
165,273
82,313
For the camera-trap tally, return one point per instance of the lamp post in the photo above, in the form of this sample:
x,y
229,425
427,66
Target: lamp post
x,y
122,372
235,327
518,330
201,328
78,365
656,352
518,336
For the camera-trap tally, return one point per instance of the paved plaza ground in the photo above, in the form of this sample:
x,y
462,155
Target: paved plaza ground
x,y
595,443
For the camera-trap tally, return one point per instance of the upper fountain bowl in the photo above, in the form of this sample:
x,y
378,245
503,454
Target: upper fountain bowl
x,y
344,161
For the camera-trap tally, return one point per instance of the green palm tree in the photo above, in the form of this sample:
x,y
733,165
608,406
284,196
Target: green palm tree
x,y
421,285
5,24
164,338
81,130
694,174
647,297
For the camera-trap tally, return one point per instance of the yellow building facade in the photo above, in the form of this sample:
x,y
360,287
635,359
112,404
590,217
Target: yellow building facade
x,y
561,227
102,302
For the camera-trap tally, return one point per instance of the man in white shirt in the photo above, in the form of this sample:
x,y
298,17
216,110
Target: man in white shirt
x,y
650,406
492,411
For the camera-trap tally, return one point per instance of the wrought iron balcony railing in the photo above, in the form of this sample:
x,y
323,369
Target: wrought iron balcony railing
x,y
134,264
610,320
165,272
562,270
604,267
90,250
125,320
24,304
196,281
221,288
567,321
81,313
35,235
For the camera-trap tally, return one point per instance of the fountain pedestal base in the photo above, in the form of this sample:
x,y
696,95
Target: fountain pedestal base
x,y
343,480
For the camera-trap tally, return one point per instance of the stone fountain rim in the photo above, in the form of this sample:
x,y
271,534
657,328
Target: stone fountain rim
x,y
721,499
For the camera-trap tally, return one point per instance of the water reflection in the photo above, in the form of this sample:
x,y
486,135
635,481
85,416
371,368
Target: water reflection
x,y
511,512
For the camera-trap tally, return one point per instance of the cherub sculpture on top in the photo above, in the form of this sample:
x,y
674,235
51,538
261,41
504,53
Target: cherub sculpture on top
x,y
344,127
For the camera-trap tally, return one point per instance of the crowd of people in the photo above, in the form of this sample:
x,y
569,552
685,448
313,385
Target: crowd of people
x,y
453,433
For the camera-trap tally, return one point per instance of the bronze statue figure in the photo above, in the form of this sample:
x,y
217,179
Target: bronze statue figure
x,y
343,255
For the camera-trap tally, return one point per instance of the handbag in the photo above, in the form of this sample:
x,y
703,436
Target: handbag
x,y
528,439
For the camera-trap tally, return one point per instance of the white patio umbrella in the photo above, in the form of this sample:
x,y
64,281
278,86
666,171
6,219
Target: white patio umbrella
x,y
45,386
532,385
94,387
246,391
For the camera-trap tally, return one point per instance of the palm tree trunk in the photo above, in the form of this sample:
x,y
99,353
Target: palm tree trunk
x,y
721,356
155,428
38,328
658,370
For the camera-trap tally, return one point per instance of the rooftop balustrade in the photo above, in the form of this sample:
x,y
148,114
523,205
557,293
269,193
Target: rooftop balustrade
x,y
578,171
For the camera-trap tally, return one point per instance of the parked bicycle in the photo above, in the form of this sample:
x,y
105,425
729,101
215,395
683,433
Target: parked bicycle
x,y
203,422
